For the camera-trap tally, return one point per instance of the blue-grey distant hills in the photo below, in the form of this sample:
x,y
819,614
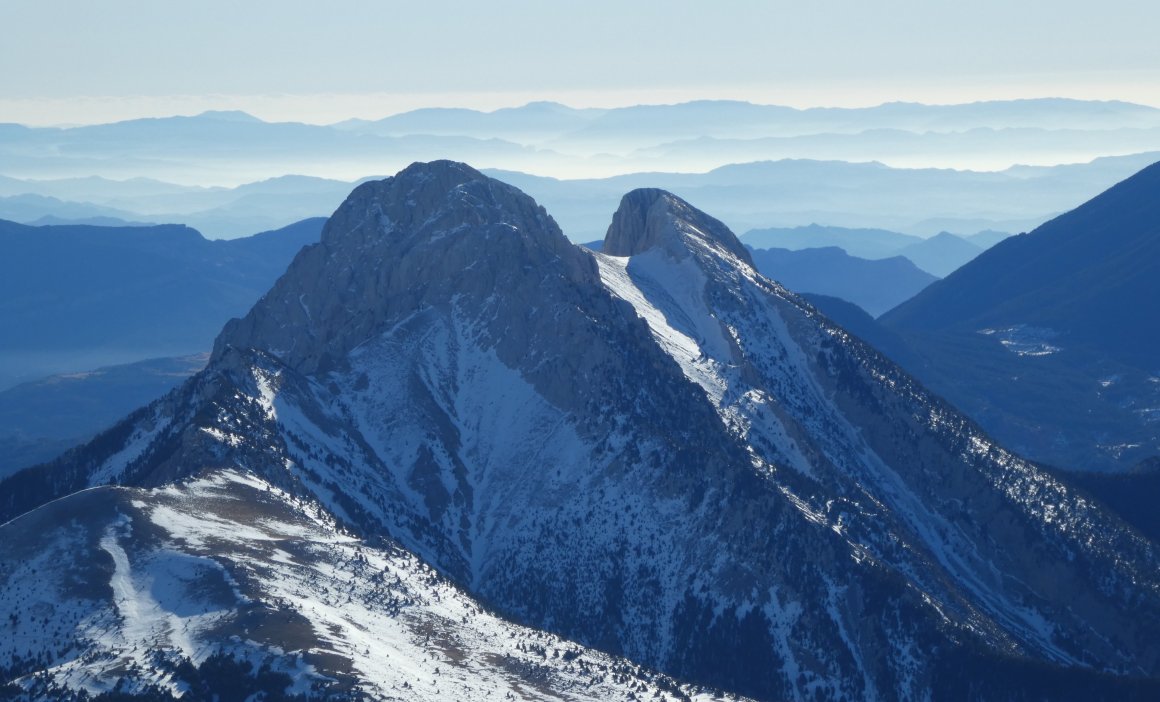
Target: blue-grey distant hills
x,y
216,147
702,135
733,119
217,212
864,243
875,286
937,255
531,122
749,196
978,148
1049,339
30,207
941,254
554,140
77,297
738,119
792,193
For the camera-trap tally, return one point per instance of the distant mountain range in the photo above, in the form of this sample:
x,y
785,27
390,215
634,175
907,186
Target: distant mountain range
x,y
216,212
863,243
941,254
800,172
875,286
937,255
75,297
227,148
920,202
779,194
637,127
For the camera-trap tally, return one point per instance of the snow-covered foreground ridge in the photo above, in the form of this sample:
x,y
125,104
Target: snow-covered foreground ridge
x,y
654,451
141,585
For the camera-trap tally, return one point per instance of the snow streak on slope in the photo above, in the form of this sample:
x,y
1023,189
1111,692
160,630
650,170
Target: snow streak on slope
x,y
670,296
433,425
229,558
778,356
443,439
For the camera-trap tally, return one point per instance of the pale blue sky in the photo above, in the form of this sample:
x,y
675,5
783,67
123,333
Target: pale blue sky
x,y
79,61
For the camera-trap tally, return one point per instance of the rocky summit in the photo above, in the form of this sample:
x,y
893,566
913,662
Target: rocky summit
x,y
450,456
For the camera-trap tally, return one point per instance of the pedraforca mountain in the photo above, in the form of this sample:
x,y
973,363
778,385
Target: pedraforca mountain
x,y
659,454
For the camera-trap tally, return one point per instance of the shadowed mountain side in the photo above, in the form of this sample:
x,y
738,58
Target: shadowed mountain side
x,y
1083,275
858,322
77,297
875,286
1132,494
1049,338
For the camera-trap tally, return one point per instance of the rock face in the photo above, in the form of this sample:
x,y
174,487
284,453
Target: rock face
x,y
654,451
650,218
400,245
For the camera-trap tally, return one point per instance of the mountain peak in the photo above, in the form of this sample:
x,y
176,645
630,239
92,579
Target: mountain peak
x,y
415,240
651,218
228,116
424,196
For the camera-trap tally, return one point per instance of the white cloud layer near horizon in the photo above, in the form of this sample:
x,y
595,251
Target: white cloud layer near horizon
x,y
293,60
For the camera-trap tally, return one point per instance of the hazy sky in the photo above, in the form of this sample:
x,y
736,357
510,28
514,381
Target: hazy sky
x,y
80,61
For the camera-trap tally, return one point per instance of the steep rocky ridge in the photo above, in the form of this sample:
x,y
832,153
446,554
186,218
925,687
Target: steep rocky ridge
x,y
648,218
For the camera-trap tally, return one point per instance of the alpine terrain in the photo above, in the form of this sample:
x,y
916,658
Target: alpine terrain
x,y
450,455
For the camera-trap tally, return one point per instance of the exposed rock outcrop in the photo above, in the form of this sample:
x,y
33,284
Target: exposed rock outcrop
x,y
648,218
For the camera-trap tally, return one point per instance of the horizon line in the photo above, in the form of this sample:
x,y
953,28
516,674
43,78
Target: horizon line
x,y
304,108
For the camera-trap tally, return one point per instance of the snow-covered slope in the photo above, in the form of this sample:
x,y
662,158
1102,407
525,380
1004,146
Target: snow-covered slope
x,y
657,453
146,590
897,473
